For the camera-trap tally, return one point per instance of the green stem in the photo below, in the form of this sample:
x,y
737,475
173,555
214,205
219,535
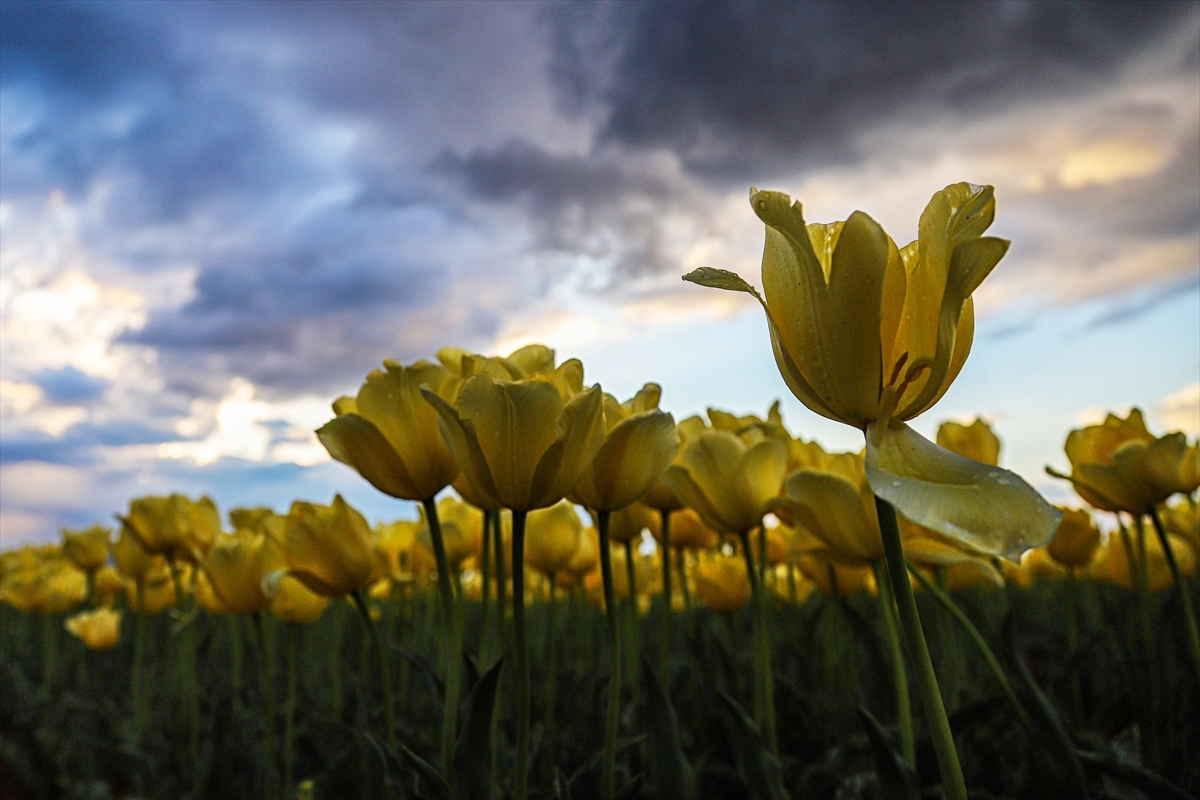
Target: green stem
x,y
289,709
1151,740
139,685
485,635
389,720
520,784
612,720
918,650
630,650
664,644
1073,643
1180,588
451,656
949,647
764,682
501,629
947,603
552,672
270,775
887,602
684,589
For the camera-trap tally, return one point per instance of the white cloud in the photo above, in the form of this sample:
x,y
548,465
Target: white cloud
x,y
1180,410
239,427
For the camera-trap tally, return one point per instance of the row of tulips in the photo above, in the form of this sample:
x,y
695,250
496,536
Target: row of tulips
x,y
864,332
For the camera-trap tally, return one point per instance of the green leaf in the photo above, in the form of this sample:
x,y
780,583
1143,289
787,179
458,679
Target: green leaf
x,y
472,764
673,776
433,778
759,767
721,279
896,776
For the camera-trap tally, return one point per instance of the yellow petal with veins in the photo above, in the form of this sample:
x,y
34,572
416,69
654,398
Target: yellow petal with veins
x,y
986,508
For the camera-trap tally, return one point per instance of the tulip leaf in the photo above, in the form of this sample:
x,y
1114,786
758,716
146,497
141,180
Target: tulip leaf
x,y
473,771
435,683
986,508
721,279
430,775
673,777
756,763
895,775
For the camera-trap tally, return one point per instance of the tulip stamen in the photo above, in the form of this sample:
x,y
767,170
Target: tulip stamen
x,y
899,366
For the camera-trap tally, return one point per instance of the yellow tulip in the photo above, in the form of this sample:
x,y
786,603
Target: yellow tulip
x,y
173,526
586,557
1119,465
389,434
87,549
627,524
522,444
1076,540
107,586
837,505
235,567
688,531
158,589
1041,564
61,587
836,579
132,559
296,603
721,582
552,537
871,335
1158,573
394,542
728,479
1183,520
99,629
639,442
329,548
976,441
929,549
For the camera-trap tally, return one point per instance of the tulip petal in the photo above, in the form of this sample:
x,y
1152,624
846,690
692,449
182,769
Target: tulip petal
x,y
831,507
686,489
987,508
759,478
463,443
580,432
634,454
356,442
930,552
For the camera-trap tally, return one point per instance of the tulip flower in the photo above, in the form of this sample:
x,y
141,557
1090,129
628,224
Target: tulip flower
x,y
1158,573
99,629
552,538
329,548
523,445
1076,540
976,441
174,526
87,549
235,567
721,583
872,335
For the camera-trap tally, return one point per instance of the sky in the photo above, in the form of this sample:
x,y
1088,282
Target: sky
x,y
215,218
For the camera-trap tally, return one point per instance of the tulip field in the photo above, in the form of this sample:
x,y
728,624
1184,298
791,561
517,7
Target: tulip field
x,y
600,601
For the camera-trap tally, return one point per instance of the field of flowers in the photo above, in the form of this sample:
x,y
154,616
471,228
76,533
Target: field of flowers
x,y
613,603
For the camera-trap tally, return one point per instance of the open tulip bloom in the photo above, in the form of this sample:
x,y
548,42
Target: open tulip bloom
x,y
872,335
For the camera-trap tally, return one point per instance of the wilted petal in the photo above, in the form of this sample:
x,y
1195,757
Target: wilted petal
x,y
987,508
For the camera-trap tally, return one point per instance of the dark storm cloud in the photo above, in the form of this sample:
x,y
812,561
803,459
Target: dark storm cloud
x,y
741,87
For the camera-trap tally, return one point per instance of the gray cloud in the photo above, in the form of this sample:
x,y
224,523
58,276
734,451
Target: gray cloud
x,y
739,88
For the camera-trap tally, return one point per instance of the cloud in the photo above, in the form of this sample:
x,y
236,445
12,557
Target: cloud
x,y
748,87
1180,410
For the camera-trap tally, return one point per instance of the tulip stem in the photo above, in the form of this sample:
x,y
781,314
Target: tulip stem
x,y
450,638
485,645
1180,587
764,682
612,720
918,651
289,710
389,721
684,590
520,784
947,603
270,776
887,601
664,645
629,669
501,628
552,673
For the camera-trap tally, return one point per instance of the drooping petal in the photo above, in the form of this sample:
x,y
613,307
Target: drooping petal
x,y
986,508
358,443
831,507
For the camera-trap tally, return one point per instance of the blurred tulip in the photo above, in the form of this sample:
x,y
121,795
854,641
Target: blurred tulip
x,y
87,549
107,586
462,530
1158,573
976,441
132,559
627,524
729,480
721,582
838,506
1119,465
296,603
173,526
329,548
99,629
235,567
1076,540
688,531
552,537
